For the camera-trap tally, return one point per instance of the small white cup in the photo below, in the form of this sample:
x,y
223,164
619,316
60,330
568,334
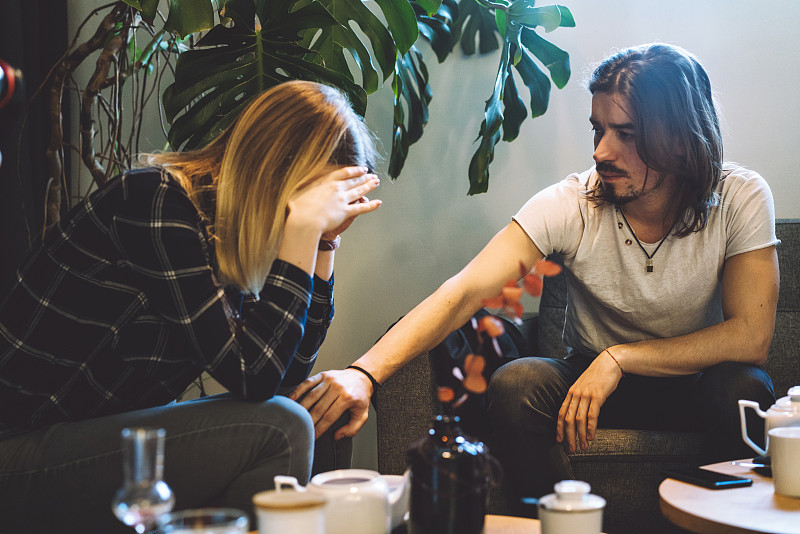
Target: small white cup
x,y
290,511
784,449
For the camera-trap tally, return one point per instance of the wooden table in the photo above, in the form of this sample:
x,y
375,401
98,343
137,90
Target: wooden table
x,y
750,509
501,524
504,524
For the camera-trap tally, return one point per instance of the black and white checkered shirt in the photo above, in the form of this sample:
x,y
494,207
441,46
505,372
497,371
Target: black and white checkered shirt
x,y
120,309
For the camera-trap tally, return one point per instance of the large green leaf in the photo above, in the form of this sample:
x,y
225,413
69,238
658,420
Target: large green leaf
x,y
185,16
475,22
412,95
401,21
231,65
555,59
505,108
333,42
490,129
430,6
189,16
437,28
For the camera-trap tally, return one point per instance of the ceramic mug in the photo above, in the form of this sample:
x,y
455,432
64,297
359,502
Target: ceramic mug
x,y
359,500
290,511
784,447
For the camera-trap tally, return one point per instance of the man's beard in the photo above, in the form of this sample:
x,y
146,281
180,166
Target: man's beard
x,y
629,194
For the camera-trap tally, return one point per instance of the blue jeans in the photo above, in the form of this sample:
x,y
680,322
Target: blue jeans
x,y
525,395
219,451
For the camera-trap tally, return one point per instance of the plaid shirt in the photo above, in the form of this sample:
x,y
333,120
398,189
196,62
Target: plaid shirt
x,y
121,309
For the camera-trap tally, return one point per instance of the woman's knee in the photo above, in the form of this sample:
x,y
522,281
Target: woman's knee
x,y
293,419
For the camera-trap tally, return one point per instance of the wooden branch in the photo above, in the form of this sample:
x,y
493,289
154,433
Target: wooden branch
x,y
54,151
108,57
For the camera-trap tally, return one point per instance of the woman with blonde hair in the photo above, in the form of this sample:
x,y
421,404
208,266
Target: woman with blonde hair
x,y
217,260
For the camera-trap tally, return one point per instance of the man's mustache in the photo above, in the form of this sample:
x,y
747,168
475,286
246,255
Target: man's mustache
x,y
608,168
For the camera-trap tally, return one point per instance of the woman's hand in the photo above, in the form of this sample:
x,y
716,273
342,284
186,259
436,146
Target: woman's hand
x,y
329,204
333,234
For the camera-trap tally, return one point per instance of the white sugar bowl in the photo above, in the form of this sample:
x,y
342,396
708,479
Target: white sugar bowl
x,y
571,509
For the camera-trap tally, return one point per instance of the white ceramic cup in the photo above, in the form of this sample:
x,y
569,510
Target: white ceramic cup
x,y
784,448
290,511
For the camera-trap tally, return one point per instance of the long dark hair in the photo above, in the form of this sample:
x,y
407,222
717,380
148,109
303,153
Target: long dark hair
x,y
677,128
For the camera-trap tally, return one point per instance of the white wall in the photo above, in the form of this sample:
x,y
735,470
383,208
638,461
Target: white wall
x,y
428,228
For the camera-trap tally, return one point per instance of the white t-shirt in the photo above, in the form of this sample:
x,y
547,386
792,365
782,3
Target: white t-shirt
x,y
611,297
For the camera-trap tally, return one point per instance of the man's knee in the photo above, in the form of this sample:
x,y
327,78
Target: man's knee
x,y
728,382
525,387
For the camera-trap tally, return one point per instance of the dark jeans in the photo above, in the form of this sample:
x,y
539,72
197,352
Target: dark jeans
x,y
526,394
219,451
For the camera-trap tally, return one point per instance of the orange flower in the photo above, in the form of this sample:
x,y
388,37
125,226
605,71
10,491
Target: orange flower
x,y
473,368
508,300
491,325
532,282
546,268
533,285
446,394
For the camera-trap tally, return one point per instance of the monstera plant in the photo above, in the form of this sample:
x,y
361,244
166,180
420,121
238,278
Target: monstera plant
x,y
228,51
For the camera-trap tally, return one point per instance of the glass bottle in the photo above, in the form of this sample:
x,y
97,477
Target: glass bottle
x,y
449,475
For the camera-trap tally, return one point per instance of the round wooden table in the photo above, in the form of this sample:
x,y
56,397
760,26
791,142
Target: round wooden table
x,y
750,509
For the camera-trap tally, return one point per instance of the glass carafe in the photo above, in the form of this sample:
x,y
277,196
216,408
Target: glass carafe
x,y
144,495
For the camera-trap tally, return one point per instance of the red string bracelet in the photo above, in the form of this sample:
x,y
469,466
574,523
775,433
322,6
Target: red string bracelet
x,y
615,361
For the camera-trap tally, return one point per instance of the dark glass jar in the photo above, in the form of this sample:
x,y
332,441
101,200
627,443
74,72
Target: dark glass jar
x,y
449,475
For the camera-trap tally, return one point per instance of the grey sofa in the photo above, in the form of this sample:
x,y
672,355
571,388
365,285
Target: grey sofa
x,y
623,466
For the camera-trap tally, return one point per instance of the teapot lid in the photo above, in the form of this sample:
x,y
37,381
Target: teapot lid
x,y
791,402
572,496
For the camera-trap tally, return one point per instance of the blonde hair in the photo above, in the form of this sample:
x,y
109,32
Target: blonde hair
x,y
285,138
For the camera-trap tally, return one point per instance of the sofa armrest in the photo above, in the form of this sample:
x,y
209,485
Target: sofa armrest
x,y
405,407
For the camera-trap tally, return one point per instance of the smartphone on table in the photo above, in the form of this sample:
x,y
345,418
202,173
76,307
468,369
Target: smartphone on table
x,y
706,478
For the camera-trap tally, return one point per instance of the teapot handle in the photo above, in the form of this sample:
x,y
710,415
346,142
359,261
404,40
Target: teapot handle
x,y
282,481
743,404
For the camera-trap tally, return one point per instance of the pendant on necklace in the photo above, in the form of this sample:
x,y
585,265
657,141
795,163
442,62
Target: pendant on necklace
x,y
649,265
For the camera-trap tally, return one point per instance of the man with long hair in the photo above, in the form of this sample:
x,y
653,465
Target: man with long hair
x,y
672,278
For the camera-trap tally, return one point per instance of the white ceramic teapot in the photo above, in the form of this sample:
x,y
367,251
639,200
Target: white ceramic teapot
x,y
360,501
785,412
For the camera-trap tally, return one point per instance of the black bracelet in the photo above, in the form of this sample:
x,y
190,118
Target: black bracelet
x,y
375,385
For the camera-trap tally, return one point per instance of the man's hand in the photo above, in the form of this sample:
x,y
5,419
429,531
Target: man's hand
x,y
578,415
330,394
